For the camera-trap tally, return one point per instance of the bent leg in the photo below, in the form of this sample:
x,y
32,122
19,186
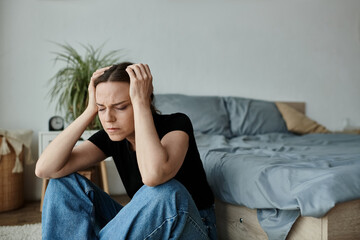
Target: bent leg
x,y
75,208
166,211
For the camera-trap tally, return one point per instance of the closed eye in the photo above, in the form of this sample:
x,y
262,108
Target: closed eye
x,y
118,106
122,108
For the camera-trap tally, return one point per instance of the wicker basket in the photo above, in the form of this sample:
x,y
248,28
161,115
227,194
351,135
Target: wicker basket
x,y
11,184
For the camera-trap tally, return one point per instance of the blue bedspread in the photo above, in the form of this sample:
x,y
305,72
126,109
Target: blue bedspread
x,y
283,175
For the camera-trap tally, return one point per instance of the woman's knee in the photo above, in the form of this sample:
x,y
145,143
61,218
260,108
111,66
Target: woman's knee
x,y
164,190
60,182
66,186
171,193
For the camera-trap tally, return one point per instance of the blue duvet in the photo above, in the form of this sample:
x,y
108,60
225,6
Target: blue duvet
x,y
283,175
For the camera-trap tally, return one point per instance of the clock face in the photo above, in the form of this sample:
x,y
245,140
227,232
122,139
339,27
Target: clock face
x,y
56,123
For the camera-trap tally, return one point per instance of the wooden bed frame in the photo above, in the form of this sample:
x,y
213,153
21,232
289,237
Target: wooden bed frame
x,y
341,222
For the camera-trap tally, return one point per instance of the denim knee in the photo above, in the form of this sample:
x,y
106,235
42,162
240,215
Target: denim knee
x,y
165,190
171,194
68,186
170,186
66,203
157,213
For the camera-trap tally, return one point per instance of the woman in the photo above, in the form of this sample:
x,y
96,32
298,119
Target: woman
x,y
155,155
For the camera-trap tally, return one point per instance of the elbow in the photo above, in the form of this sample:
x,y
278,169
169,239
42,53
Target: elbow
x,y
156,174
151,182
40,171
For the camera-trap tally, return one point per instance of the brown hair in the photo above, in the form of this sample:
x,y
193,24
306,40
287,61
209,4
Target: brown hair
x,y
117,73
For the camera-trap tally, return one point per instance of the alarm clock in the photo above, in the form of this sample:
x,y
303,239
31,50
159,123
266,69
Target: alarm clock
x,y
56,123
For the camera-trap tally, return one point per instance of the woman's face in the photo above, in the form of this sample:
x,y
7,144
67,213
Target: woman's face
x,y
115,109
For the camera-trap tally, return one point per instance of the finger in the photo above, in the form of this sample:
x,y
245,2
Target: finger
x,y
103,69
143,71
137,71
131,73
99,72
95,76
147,69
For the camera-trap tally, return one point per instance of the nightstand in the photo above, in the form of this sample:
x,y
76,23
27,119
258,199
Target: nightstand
x,y
46,137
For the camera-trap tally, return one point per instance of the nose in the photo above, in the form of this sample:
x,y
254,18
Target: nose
x,y
109,116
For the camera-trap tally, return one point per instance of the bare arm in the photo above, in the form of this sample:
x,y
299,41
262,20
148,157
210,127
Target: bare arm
x,y
60,157
159,160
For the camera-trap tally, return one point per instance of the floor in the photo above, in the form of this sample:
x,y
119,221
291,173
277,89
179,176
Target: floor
x,y
30,213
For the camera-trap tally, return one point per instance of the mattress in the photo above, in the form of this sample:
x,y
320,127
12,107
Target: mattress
x,y
283,175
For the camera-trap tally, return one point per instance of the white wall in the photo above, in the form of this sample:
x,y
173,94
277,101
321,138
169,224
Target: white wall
x,y
274,50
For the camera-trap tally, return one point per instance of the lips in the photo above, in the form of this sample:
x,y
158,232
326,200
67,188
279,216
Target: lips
x,y
112,129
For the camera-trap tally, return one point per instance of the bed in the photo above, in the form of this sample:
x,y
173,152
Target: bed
x,y
275,173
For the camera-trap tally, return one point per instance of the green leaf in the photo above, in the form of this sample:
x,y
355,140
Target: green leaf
x,y
69,85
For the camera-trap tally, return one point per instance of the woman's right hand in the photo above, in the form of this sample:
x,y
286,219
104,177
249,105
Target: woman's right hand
x,y
60,158
91,89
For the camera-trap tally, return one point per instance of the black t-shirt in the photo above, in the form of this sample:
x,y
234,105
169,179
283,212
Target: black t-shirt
x,y
191,174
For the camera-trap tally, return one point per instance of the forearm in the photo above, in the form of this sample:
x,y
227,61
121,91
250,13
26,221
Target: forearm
x,y
151,155
57,153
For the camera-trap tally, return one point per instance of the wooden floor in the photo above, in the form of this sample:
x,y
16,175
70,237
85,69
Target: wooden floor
x,y
30,213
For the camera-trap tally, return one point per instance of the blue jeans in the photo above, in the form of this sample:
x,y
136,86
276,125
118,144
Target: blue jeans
x,y
75,208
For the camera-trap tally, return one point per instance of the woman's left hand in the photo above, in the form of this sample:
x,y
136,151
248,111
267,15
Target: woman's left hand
x,y
141,86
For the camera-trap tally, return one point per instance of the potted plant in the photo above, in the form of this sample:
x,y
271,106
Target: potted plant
x,y
70,83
